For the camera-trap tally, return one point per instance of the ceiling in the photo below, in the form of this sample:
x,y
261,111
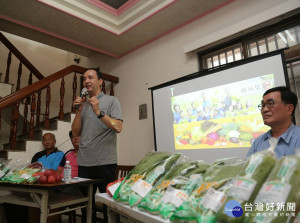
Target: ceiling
x,y
111,27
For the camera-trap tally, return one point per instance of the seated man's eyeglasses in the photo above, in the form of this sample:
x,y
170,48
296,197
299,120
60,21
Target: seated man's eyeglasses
x,y
270,104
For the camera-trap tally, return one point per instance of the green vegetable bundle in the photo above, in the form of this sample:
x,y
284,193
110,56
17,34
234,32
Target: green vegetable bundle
x,y
146,173
215,176
248,182
23,175
281,187
212,201
6,167
172,189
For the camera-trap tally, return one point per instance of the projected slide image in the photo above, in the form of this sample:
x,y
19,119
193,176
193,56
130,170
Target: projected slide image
x,y
221,117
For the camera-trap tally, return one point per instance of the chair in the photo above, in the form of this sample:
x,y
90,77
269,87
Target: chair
x,y
121,171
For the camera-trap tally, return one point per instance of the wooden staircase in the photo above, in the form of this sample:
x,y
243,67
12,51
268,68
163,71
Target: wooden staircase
x,y
29,112
5,89
26,148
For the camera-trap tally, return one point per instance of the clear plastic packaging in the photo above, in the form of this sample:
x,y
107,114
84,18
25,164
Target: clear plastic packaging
x,y
247,184
220,173
281,187
144,176
172,189
6,167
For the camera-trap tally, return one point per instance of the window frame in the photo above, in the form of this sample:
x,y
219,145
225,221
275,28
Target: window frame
x,y
244,39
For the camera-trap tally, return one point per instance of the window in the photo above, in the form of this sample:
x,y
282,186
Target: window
x,y
255,44
294,80
285,34
223,56
276,41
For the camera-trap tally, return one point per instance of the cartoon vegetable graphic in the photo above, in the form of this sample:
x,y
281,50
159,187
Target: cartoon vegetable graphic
x,y
196,134
184,141
246,136
212,134
245,128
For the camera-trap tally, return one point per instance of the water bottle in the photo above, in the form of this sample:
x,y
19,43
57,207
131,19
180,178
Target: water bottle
x,y
67,172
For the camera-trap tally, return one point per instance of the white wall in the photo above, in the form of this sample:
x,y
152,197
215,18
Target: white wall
x,y
164,60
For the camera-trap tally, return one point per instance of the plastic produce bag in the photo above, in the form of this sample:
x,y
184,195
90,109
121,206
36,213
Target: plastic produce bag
x,y
247,184
218,174
6,167
3,167
211,201
20,174
143,177
172,189
281,188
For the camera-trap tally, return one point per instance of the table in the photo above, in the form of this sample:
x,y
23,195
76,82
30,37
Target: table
x,y
37,195
114,208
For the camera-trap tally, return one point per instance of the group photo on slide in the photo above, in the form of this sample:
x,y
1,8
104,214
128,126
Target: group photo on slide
x,y
221,117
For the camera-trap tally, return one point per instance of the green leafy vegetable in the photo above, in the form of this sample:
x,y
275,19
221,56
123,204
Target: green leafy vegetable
x,y
282,186
175,186
147,172
248,183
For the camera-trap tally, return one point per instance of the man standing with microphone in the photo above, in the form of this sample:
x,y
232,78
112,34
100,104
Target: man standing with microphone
x,y
98,120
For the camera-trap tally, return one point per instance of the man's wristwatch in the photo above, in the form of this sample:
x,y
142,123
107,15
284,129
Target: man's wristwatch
x,y
101,115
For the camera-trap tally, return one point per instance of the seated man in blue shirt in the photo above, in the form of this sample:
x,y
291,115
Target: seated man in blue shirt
x,y
50,157
278,111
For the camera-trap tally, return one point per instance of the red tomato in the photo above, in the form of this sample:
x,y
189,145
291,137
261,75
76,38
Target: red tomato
x,y
58,178
203,140
43,179
51,179
183,141
210,141
49,172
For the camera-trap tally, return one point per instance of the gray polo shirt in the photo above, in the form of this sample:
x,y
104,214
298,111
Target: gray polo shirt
x,y
98,143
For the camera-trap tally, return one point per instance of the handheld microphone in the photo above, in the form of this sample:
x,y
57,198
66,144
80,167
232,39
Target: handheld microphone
x,y
83,93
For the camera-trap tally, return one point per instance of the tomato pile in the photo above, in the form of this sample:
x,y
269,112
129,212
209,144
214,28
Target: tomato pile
x,y
49,177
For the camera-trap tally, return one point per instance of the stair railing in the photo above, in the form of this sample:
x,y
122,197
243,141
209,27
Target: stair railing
x,y
31,95
22,60
34,92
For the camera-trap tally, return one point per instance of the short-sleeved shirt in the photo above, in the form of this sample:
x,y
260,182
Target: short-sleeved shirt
x,y
72,157
98,143
50,161
288,142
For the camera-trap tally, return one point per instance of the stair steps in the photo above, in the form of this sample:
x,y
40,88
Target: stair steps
x,y
27,148
6,89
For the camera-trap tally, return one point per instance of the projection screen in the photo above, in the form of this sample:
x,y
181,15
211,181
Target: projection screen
x,y
213,114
